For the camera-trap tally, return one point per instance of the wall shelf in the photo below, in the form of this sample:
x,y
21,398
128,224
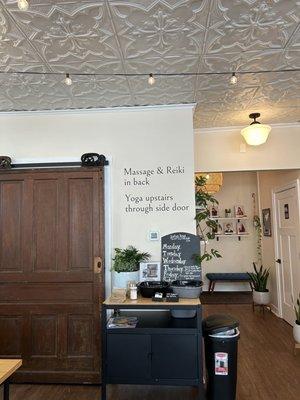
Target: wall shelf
x,y
232,235
229,218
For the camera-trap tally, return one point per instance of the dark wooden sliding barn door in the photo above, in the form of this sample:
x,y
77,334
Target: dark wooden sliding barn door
x,y
51,280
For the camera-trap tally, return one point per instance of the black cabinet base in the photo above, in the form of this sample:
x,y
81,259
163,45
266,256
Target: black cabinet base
x,y
161,350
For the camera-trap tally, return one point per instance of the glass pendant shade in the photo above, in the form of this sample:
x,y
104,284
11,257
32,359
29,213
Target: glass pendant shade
x,y
256,133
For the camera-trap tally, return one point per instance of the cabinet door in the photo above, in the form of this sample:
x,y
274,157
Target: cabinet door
x,y
174,357
128,356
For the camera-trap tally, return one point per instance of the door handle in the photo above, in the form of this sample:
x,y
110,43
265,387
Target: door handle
x,y
97,265
278,261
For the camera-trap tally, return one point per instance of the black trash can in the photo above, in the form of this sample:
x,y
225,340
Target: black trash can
x,y
221,336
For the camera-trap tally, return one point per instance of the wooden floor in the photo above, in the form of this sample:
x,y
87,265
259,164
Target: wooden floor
x,y
267,368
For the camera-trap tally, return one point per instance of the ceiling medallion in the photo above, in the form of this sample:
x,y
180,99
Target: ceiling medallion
x,y
256,133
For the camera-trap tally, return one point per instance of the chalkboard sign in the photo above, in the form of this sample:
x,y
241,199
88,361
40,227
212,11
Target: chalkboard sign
x,y
177,257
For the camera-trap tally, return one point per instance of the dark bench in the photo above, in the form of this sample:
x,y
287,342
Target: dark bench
x,y
215,277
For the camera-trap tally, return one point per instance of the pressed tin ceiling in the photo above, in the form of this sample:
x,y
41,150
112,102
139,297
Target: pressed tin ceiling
x,y
143,36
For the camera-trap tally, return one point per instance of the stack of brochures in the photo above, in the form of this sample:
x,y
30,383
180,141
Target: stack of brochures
x,y
122,322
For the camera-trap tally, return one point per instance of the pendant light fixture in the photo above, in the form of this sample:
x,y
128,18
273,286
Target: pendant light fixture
x,y
256,133
68,80
151,79
23,5
233,79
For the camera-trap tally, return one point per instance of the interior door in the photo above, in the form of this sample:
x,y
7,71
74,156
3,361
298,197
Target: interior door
x,y
288,235
51,282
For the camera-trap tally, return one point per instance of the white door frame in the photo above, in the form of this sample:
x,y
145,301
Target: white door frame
x,y
278,189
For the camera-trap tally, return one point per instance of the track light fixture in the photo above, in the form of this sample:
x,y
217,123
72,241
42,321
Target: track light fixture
x,y
151,79
68,80
23,5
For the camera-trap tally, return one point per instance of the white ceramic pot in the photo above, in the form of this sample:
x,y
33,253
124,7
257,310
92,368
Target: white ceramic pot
x,y
262,298
296,333
120,279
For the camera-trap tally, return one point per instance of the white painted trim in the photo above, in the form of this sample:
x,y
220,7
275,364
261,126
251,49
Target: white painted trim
x,y
276,190
230,129
108,233
275,311
102,110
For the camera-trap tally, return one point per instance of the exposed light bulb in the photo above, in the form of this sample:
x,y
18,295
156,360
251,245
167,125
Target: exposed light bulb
x,y
68,80
23,5
233,79
151,79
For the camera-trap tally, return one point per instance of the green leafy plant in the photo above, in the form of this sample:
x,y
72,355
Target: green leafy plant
x,y
206,226
259,278
258,228
297,309
128,260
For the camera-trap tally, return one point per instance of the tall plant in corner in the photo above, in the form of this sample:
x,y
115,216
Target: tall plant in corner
x,y
206,226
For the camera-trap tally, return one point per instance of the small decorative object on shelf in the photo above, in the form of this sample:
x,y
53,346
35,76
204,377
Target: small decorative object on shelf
x,y
214,212
228,213
229,228
133,291
150,271
93,160
239,211
5,162
240,228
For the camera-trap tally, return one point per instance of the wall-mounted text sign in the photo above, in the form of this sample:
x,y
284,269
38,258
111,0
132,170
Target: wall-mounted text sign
x,y
178,252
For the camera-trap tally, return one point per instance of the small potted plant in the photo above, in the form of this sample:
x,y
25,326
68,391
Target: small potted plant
x,y
227,212
126,265
259,279
296,329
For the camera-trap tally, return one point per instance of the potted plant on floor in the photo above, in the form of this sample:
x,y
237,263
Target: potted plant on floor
x,y
259,279
126,265
296,328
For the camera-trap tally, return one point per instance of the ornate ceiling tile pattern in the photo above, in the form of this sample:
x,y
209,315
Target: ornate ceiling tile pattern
x,y
159,36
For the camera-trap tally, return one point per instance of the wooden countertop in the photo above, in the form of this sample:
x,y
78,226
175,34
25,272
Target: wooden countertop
x,y
8,367
143,301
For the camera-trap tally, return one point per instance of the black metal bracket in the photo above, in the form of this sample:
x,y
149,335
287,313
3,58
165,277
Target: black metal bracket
x,y
87,160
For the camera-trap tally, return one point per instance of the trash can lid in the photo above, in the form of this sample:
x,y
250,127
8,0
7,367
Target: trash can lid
x,y
218,323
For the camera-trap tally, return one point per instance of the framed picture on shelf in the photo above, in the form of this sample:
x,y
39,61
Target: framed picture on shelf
x,y
228,228
214,212
218,230
239,211
241,228
266,222
150,271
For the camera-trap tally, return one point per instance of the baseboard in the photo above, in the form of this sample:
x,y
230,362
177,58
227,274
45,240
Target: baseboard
x,y
275,311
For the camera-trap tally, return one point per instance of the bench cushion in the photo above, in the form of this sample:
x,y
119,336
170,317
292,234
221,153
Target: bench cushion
x,y
228,276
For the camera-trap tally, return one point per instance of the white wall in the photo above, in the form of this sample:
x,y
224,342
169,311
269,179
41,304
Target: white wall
x,y
237,256
139,138
218,149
